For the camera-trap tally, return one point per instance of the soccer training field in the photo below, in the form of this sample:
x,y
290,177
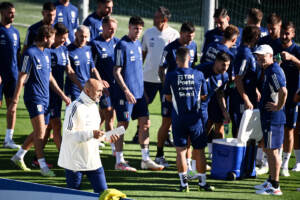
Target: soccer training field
x,y
140,185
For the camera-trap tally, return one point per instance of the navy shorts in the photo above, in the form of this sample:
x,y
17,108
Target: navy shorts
x,y
96,178
105,102
166,107
273,135
214,111
188,126
291,113
55,105
7,88
35,109
125,110
151,90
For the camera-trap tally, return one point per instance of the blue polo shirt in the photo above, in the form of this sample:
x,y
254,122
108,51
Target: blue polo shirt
x,y
274,79
59,61
168,59
94,22
37,64
128,55
9,49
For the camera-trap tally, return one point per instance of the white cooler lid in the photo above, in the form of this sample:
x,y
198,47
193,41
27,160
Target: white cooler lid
x,y
250,126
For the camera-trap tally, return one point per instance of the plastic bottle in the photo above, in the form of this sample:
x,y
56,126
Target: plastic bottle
x,y
117,131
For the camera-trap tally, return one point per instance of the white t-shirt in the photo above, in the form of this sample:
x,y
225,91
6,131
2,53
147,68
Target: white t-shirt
x,y
154,42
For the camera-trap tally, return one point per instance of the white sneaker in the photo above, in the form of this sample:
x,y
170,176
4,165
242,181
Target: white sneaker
x,y
47,172
151,165
262,170
296,168
20,163
11,145
270,191
161,161
284,172
263,186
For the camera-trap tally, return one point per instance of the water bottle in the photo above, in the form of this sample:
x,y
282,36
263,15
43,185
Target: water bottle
x,y
117,131
226,128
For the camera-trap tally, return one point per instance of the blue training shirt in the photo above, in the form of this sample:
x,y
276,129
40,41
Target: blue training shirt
x,y
168,59
186,85
68,15
128,55
104,57
32,33
82,62
37,64
94,22
9,49
274,79
275,44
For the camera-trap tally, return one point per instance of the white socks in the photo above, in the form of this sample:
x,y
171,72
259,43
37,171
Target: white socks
x,y
145,154
194,165
202,179
183,179
21,153
285,160
189,164
42,163
120,157
297,155
259,155
9,135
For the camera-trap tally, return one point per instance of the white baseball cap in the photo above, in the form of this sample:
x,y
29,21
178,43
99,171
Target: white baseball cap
x,y
264,49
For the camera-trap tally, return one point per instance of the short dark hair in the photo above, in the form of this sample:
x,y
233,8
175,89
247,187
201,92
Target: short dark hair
x,y
274,19
164,12
61,29
223,56
251,33
230,31
220,12
187,27
255,15
6,5
104,1
44,31
182,53
49,6
288,25
136,20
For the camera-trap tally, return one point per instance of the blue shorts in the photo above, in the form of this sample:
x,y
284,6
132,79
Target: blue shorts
x,y
188,126
214,111
55,105
96,178
35,109
125,110
273,135
291,113
166,107
7,88
151,90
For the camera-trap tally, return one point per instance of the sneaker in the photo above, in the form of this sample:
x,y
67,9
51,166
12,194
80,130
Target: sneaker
x,y
207,188
161,161
124,167
191,175
262,170
20,163
296,168
151,165
47,172
36,164
298,189
101,145
11,145
263,186
270,191
184,189
284,172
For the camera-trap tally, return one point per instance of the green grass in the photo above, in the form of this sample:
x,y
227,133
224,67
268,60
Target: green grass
x,y
141,185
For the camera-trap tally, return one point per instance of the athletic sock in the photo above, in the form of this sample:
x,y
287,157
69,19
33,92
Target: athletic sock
x,y
9,135
145,154
183,179
209,147
21,153
119,157
42,163
285,160
194,165
113,147
160,152
275,184
297,155
202,179
259,155
189,164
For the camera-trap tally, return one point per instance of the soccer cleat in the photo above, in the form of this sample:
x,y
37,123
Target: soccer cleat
x,y
296,168
284,172
151,165
11,145
36,164
270,191
263,186
124,167
207,188
262,170
184,189
20,163
161,161
47,172
191,175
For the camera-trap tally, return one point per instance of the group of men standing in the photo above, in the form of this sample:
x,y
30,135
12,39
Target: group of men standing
x,y
236,72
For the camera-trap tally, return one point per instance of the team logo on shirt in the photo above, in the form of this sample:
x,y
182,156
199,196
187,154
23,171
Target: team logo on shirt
x,y
47,61
15,36
132,58
88,57
103,49
73,15
2,41
63,55
38,66
76,61
219,83
60,17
